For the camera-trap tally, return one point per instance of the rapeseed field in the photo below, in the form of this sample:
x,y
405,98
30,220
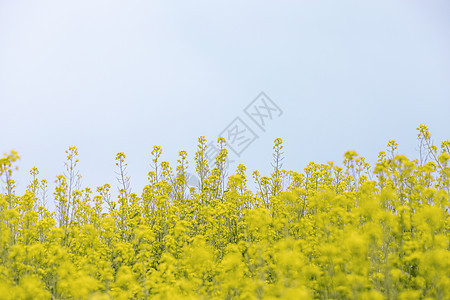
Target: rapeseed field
x,y
353,231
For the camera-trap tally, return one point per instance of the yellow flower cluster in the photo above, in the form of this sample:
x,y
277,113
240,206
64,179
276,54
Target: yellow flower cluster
x,y
329,232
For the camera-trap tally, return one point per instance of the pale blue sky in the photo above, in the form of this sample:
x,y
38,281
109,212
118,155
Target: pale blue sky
x,y
110,76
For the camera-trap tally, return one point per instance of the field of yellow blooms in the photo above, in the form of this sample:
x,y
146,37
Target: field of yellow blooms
x,y
329,232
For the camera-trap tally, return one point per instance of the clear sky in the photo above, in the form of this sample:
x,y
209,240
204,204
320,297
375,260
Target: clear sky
x,y
123,76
